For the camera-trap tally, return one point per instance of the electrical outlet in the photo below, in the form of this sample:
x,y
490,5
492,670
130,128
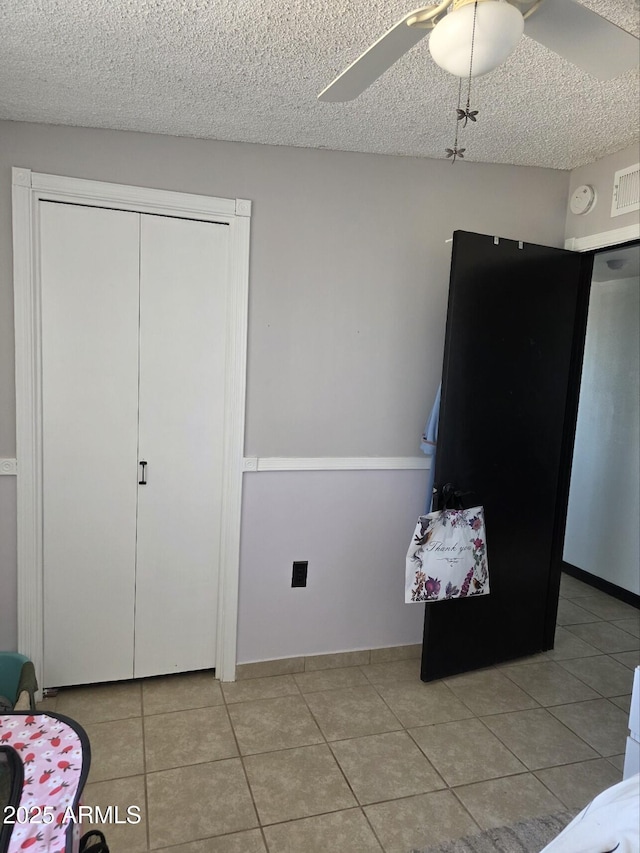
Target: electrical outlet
x,y
299,574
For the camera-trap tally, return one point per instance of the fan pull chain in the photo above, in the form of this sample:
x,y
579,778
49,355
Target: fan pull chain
x,y
456,152
466,114
473,41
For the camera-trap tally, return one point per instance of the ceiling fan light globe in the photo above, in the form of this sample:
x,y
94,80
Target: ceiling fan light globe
x,y
499,28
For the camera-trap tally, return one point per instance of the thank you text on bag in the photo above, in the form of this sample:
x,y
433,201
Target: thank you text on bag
x,y
447,557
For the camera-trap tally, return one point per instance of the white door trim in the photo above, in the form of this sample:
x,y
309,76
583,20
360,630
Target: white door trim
x,y
28,189
603,239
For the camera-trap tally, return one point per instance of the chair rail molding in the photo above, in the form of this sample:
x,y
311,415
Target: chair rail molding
x,y
28,189
335,463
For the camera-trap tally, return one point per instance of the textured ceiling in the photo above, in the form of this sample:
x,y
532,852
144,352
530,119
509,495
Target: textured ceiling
x,y
250,71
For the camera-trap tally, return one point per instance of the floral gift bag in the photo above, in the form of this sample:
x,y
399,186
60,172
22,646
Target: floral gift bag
x,y
447,557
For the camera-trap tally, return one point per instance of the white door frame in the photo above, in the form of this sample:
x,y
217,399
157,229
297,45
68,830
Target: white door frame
x,y
605,238
28,189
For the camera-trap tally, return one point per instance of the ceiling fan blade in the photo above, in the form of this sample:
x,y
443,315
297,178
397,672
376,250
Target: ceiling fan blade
x,y
584,38
374,61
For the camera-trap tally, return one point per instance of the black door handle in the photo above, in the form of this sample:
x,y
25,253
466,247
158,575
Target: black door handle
x,y
449,497
143,481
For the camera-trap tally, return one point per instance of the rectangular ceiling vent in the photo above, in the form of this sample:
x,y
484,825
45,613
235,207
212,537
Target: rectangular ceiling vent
x,y
626,191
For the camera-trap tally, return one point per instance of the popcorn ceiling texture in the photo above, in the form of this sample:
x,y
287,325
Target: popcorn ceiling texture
x,y
251,71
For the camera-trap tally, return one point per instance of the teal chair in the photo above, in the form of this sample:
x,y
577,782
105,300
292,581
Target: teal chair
x,y
17,675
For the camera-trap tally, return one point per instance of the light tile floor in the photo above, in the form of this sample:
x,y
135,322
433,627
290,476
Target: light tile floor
x,y
365,758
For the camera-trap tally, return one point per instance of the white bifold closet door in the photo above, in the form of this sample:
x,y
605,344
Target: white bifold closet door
x,y
89,296
133,342
183,271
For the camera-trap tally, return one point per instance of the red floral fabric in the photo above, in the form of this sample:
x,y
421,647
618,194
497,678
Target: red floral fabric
x,y
52,756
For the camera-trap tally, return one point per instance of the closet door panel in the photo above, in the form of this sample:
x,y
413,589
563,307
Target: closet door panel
x,y
89,285
183,273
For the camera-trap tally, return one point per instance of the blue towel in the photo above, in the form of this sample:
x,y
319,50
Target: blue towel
x,y
429,443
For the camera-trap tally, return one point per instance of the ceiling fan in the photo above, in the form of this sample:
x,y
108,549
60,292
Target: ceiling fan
x,y
566,27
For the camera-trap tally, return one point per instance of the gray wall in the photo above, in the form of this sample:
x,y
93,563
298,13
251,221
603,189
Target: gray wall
x,y
602,535
349,278
354,528
600,176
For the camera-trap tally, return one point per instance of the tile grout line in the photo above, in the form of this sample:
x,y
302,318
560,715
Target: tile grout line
x,y
531,772
459,800
495,713
326,743
244,769
447,786
557,663
144,767
606,698
526,770
147,772
405,730
344,775
586,743
593,657
606,595
602,699
377,687
591,643
553,793
521,760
